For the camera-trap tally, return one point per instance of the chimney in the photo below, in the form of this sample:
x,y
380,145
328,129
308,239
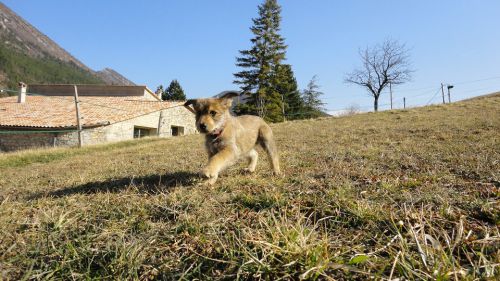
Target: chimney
x,y
21,98
159,93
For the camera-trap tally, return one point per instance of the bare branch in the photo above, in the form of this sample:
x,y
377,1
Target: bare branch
x,y
382,65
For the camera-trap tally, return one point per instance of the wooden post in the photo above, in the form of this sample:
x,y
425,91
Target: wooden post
x,y
390,90
442,92
404,102
159,122
79,125
449,98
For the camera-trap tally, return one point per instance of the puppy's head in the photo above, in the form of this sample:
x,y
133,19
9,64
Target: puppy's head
x,y
211,114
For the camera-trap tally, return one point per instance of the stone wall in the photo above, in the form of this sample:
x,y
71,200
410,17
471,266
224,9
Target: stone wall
x,y
13,141
179,117
164,120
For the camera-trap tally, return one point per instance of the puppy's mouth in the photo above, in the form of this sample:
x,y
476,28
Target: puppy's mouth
x,y
217,132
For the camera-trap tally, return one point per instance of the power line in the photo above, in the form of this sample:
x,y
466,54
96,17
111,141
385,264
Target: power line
x,y
68,98
478,80
434,96
455,83
327,98
470,91
35,131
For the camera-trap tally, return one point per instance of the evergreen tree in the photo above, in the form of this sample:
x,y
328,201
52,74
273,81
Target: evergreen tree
x,y
286,85
174,92
257,79
313,106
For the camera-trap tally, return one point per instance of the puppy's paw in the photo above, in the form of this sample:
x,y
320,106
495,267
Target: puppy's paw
x,y
207,173
248,170
210,176
210,181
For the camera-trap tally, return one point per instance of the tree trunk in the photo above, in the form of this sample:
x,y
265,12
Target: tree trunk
x,y
375,104
260,106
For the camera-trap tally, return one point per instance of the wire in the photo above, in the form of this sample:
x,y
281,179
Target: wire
x,y
65,98
435,94
395,101
35,131
478,80
470,91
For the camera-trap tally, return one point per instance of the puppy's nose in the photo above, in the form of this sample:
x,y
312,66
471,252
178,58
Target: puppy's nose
x,y
203,127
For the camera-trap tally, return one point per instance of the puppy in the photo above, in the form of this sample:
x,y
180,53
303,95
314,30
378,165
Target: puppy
x,y
229,138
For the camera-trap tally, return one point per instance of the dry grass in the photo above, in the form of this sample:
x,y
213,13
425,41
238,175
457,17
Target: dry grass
x,y
409,194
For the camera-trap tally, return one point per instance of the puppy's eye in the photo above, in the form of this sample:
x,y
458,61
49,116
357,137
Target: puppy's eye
x,y
213,113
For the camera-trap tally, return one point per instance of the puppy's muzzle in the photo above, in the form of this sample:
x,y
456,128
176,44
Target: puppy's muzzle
x,y
203,128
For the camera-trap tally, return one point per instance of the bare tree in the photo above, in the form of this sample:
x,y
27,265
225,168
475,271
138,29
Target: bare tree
x,y
351,110
382,65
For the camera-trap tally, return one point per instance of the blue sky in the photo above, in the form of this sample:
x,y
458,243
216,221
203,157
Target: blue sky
x,y
152,42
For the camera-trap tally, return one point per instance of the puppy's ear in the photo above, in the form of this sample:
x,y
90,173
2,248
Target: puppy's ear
x,y
227,97
190,102
229,94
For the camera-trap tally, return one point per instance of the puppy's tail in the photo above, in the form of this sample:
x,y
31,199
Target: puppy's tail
x,y
266,140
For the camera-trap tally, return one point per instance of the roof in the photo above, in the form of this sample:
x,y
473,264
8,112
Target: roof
x,y
59,111
93,90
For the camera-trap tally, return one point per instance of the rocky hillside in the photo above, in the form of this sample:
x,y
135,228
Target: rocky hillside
x,y
29,55
111,77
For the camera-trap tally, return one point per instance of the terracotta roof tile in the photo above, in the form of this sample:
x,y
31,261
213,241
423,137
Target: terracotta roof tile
x,y
59,111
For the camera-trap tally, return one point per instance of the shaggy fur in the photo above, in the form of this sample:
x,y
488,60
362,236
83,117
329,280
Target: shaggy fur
x,y
230,138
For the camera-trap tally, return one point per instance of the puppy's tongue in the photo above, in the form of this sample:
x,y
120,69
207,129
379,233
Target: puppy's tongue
x,y
216,132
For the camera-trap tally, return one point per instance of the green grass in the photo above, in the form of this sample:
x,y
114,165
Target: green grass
x,y
28,157
410,194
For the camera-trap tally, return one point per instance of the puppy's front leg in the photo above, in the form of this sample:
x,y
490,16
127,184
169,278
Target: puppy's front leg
x,y
216,163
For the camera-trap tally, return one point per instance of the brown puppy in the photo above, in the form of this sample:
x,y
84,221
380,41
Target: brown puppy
x,y
230,138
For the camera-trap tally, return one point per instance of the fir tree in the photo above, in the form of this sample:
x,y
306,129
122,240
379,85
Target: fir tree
x,y
257,79
313,106
174,92
286,86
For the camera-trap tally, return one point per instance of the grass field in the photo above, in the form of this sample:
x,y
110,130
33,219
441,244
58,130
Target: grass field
x,y
409,194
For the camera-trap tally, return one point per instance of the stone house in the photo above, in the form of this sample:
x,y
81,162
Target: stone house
x,y
46,116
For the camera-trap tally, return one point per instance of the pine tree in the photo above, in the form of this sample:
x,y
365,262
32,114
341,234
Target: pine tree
x,y
257,79
174,92
286,85
313,106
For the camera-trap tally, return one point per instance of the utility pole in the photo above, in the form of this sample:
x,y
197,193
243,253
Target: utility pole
x,y
78,124
404,102
390,90
449,87
442,92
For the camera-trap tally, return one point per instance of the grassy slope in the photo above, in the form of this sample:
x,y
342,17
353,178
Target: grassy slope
x,y
408,193
17,67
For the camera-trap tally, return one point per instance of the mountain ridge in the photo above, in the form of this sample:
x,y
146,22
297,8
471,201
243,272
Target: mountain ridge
x,y
18,37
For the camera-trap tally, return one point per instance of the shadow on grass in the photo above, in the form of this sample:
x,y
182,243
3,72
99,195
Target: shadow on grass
x,y
150,184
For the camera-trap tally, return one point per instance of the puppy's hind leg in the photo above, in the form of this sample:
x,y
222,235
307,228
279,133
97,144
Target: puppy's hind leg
x,y
252,157
266,139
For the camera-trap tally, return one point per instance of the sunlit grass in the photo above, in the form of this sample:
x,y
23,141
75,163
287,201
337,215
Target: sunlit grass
x,y
409,194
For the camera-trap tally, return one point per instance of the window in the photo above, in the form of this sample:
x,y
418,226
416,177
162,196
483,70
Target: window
x,y
177,131
140,132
